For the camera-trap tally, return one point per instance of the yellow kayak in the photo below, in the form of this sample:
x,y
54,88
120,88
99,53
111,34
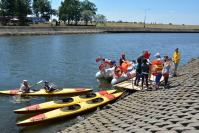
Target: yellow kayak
x,y
70,110
62,103
42,92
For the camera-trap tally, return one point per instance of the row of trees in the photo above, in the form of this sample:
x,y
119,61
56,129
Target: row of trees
x,y
70,11
19,9
75,10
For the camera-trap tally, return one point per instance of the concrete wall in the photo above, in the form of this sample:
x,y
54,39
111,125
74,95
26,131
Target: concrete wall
x,y
28,30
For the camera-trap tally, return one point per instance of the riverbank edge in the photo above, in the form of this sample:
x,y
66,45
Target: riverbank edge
x,y
53,30
166,110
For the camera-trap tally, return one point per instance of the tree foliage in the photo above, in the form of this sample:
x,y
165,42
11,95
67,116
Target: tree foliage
x,y
99,18
15,8
23,8
74,10
42,8
70,11
88,11
7,7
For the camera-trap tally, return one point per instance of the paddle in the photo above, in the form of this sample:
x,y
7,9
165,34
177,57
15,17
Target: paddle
x,y
36,84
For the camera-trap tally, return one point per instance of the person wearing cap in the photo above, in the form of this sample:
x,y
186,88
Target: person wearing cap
x,y
24,88
47,87
166,70
156,70
176,60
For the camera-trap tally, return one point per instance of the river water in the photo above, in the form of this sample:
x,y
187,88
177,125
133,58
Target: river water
x,y
69,61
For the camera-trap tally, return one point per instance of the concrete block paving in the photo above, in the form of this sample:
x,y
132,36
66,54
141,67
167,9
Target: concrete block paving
x,y
173,110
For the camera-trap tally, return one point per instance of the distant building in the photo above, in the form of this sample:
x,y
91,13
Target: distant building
x,y
36,20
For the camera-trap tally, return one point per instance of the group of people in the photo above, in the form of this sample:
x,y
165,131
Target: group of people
x,y
109,69
142,68
26,88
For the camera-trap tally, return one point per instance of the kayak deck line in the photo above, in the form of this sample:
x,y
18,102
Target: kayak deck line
x,y
68,101
70,110
42,92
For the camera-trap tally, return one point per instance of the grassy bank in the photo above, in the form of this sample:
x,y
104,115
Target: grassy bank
x,y
48,29
141,25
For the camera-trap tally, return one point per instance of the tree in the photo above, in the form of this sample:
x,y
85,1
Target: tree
x,y
87,16
99,18
7,10
88,11
70,11
76,11
42,8
7,7
19,8
23,8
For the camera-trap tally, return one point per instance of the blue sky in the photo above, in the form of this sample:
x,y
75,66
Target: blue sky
x,y
159,11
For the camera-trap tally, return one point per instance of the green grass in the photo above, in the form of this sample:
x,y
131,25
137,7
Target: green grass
x,y
132,25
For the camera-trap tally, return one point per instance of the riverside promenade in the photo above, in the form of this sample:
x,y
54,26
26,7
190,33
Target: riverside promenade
x,y
174,110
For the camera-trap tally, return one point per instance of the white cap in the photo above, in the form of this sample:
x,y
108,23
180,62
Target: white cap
x,y
157,55
25,80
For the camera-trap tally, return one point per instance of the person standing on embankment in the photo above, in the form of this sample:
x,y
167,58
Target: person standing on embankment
x,y
176,60
156,70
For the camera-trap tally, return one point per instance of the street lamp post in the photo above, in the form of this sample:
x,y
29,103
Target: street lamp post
x,y
51,12
145,15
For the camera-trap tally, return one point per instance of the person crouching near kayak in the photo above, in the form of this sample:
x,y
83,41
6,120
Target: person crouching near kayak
x,y
166,70
156,70
24,88
145,73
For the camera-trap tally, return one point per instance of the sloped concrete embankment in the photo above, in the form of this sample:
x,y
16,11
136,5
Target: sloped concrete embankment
x,y
52,30
174,110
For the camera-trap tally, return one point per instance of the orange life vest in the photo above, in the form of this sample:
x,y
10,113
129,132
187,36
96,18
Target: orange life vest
x,y
125,66
157,66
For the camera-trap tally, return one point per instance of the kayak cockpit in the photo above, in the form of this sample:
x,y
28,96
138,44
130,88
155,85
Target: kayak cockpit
x,y
89,95
96,100
71,108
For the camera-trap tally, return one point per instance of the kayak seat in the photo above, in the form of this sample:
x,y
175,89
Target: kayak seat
x,y
65,100
71,108
89,95
96,100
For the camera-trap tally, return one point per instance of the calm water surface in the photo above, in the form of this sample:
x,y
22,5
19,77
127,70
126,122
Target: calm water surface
x,y
69,61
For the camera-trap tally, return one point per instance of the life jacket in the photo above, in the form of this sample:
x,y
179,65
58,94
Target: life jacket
x,y
118,72
157,66
176,57
125,66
